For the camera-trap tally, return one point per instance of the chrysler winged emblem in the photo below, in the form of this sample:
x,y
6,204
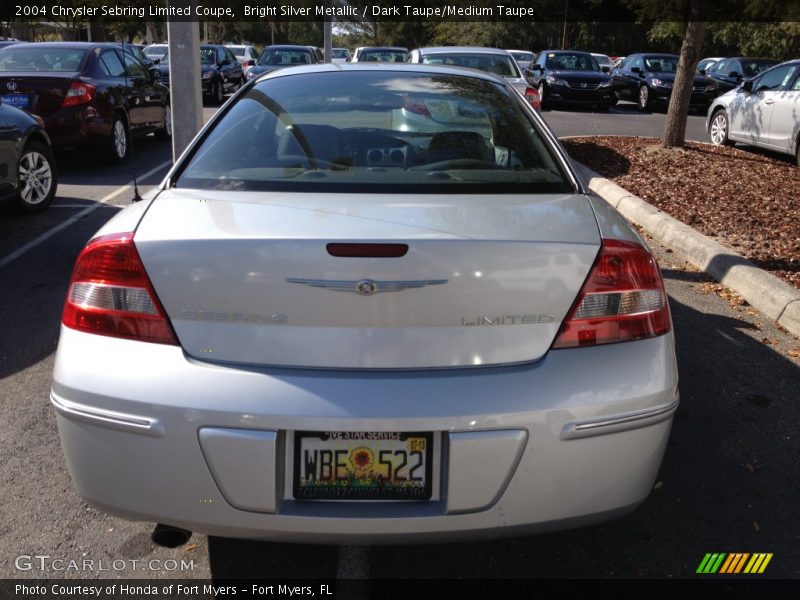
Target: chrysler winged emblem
x,y
366,287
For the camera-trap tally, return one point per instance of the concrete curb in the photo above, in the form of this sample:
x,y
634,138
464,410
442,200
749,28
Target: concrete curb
x,y
774,298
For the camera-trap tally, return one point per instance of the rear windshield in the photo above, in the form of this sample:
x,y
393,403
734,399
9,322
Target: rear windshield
x,y
377,55
284,57
156,51
376,131
491,63
21,57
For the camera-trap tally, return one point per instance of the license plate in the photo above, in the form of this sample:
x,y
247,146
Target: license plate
x,y
357,465
16,100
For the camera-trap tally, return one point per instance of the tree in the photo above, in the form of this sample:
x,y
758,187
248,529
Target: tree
x,y
678,111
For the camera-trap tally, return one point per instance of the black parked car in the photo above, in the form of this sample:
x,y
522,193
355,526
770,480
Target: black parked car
x,y
220,71
570,77
729,73
87,94
28,175
279,56
647,79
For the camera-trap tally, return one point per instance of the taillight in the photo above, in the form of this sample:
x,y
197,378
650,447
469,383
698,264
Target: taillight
x,y
623,299
79,92
110,294
533,98
416,107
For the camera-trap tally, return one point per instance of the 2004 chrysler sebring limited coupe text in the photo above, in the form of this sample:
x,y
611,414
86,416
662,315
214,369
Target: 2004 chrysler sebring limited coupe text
x,y
369,304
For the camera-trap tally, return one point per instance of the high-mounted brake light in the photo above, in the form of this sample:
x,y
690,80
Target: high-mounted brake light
x,y
110,294
79,92
623,299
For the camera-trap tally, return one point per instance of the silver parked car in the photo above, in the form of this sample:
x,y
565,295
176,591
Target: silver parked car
x,y
761,111
492,60
329,327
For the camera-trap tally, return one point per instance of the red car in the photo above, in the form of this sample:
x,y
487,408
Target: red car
x,y
87,94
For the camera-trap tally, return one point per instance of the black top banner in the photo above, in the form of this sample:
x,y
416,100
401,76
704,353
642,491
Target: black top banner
x,y
352,11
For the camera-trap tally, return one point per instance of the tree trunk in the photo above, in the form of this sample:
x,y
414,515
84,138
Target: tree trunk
x,y
152,33
677,113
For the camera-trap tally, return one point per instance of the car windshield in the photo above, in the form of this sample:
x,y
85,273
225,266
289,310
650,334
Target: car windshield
x,y
156,51
751,68
491,63
237,50
603,60
376,131
661,64
341,53
21,57
522,57
569,61
382,55
277,56
208,55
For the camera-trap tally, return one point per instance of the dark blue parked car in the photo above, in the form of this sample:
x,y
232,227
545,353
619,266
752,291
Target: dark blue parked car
x,y
647,79
570,77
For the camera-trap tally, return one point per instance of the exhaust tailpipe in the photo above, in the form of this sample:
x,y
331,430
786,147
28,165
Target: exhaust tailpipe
x,y
169,536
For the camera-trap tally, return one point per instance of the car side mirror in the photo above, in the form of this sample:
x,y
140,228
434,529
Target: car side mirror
x,y
156,61
605,69
224,63
747,86
250,63
701,71
636,70
734,74
155,74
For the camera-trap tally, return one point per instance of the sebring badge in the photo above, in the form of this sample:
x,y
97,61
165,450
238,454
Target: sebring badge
x,y
366,287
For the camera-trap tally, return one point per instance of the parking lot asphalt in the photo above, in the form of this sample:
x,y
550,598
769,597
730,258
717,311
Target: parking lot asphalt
x,y
727,483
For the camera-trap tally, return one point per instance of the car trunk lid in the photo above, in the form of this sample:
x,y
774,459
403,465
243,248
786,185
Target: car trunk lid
x,y
250,278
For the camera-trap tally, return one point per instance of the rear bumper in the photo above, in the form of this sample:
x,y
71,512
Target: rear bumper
x,y
575,438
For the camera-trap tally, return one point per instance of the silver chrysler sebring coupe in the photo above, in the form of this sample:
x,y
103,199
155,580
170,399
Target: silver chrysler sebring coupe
x,y
367,305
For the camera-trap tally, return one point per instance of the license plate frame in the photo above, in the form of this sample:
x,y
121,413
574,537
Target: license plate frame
x,y
373,450
19,100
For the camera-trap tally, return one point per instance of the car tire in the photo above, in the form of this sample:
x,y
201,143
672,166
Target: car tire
x,y
797,152
38,178
217,93
541,91
120,143
165,133
643,99
614,99
718,129
603,106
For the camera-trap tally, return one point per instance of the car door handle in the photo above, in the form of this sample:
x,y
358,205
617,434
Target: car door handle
x,y
769,101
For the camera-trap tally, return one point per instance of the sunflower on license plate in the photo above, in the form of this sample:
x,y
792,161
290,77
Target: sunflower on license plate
x,y
356,465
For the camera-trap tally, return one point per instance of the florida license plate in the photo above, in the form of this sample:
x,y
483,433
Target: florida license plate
x,y
16,100
358,465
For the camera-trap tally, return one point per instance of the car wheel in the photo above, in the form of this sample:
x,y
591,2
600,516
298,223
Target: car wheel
x,y
718,129
38,178
603,106
120,141
614,99
166,132
218,94
540,89
644,98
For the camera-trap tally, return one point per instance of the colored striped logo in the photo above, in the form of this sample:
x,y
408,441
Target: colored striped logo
x,y
733,564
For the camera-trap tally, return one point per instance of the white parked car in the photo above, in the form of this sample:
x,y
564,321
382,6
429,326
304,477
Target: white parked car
x,y
327,327
246,55
761,112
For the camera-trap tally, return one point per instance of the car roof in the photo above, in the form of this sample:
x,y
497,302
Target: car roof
x,y
383,68
385,48
463,50
77,45
564,52
288,47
